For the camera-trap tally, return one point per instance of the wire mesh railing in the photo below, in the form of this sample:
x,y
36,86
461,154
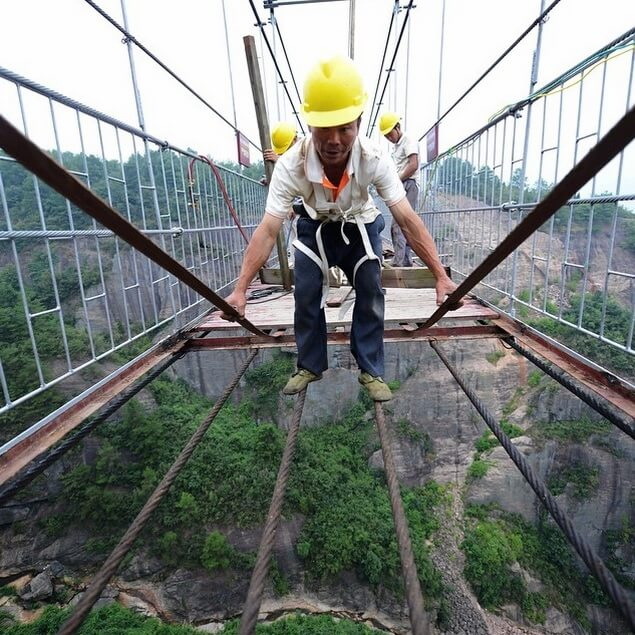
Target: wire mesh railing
x,y
72,292
574,278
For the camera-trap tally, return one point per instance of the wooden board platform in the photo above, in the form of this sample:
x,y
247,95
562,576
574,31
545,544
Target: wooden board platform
x,y
402,306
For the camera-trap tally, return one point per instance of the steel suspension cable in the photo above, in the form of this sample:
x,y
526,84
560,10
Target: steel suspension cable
x,y
286,57
381,65
394,57
62,181
610,145
170,72
25,476
582,547
564,379
260,25
259,574
501,57
113,561
418,618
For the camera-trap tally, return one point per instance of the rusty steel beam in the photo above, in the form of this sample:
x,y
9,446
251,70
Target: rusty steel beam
x,y
341,337
28,445
603,383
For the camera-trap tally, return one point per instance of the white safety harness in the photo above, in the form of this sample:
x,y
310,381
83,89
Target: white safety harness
x,y
329,211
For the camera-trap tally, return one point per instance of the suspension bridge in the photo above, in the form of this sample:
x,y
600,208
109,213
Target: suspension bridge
x,y
148,235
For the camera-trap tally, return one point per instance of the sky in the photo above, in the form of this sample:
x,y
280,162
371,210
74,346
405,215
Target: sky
x,y
68,47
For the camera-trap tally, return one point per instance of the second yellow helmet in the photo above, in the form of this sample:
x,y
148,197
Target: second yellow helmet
x,y
282,136
387,122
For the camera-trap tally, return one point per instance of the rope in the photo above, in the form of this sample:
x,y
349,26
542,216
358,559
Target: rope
x,y
615,140
584,550
383,59
563,378
24,477
226,198
394,57
113,561
43,166
418,618
257,583
260,25
154,58
515,43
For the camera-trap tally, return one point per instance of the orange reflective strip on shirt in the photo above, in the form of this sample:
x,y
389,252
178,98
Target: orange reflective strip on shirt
x,y
336,189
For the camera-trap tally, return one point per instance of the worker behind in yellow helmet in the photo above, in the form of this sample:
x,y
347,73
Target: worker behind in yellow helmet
x,y
405,154
283,136
332,170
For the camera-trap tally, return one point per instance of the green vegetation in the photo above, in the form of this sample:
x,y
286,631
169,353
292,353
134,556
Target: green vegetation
x,y
617,320
494,356
534,378
583,478
619,542
478,468
109,620
575,431
7,591
408,430
495,540
305,625
487,440
230,478
117,620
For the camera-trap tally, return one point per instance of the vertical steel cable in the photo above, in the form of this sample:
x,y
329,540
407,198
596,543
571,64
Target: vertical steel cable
x,y
590,558
418,618
256,586
113,561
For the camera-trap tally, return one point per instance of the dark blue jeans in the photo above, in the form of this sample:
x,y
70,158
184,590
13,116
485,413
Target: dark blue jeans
x,y
367,330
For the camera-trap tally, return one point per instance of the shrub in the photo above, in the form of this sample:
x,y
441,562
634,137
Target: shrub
x,y
217,552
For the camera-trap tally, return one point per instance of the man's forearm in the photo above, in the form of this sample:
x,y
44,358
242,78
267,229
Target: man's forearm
x,y
422,244
411,167
256,255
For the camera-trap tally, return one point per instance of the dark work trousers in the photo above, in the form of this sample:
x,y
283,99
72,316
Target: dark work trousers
x,y
367,331
401,249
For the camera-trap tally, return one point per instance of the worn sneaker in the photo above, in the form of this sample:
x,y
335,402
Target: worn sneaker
x,y
299,381
376,386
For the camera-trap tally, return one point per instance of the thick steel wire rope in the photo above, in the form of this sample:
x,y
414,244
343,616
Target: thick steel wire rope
x,y
113,561
582,547
169,71
598,404
392,62
260,25
256,586
418,617
609,146
62,181
381,65
25,476
503,55
286,57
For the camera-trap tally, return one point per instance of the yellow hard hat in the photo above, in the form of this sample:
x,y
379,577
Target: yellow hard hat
x,y
333,93
282,136
387,122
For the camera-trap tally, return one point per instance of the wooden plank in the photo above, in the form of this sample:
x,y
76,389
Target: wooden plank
x,y
393,277
338,296
402,305
408,277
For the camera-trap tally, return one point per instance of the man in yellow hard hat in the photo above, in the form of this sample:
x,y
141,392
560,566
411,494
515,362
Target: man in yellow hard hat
x,y
405,154
283,136
332,170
